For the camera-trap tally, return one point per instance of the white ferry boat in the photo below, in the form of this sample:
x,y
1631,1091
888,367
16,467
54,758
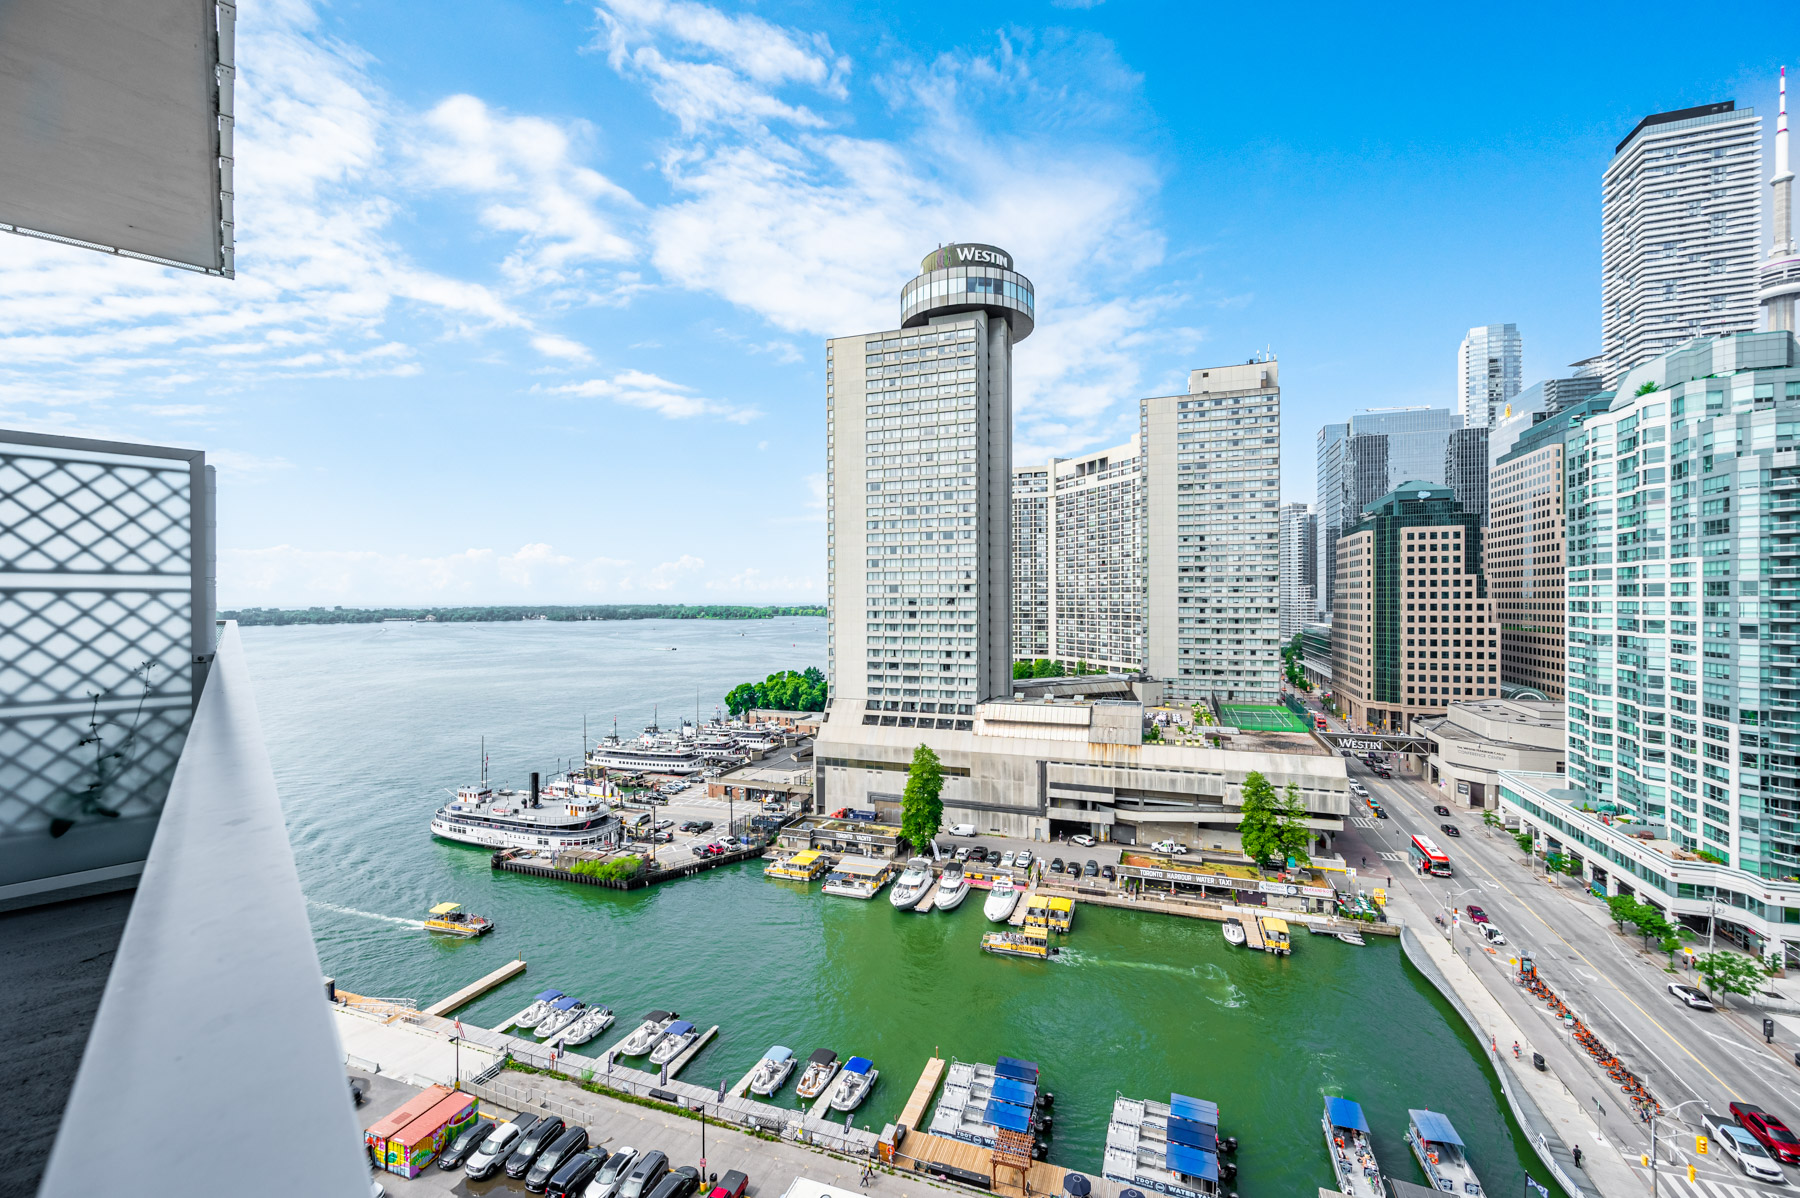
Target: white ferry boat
x,y
648,754
568,815
1352,1151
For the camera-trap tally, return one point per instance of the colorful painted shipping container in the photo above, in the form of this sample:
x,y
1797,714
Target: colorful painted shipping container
x,y
410,1137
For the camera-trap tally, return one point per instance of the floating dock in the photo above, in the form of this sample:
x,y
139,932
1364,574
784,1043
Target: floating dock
x,y
476,989
1022,906
1171,1148
693,1050
913,1114
930,895
982,1101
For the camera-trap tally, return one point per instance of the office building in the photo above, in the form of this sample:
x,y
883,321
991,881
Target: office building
x,y
1212,560
1031,562
1475,740
1315,655
1680,235
1682,601
918,484
1778,281
1078,573
1525,546
1299,568
1490,365
1466,469
1412,628
1365,458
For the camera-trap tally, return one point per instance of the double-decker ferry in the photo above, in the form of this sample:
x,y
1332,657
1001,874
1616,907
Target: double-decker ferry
x,y
648,755
567,814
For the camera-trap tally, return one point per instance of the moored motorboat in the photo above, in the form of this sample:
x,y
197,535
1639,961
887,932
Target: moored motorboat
x,y
593,1021
563,1014
1002,897
680,1037
854,1084
1440,1153
1234,931
911,883
1352,1151
772,1071
1275,935
452,920
821,1067
655,1024
540,1007
953,887
1350,937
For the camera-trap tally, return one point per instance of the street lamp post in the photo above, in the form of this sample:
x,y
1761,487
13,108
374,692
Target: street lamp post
x,y
1451,908
1653,1119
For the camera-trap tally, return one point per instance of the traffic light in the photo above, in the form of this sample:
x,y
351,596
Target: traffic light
x,y
1690,1172
1700,1145
1644,1158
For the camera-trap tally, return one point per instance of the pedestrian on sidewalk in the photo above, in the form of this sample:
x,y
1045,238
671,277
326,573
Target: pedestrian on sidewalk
x,y
1577,1151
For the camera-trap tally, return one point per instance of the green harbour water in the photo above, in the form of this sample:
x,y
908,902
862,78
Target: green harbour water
x,y
368,727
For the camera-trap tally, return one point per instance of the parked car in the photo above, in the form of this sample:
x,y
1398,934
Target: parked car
x,y
1007,858
1450,829
1359,790
1476,914
1377,810
1092,869
730,1185
537,1138
961,829
1056,865
486,1160
464,1145
644,1176
692,825
979,853
1769,1131
612,1173
1440,809
960,855
1742,1147
1494,935
1173,848
677,1183
1084,840
1024,859
562,1149
570,1180
1107,872
704,825
1693,998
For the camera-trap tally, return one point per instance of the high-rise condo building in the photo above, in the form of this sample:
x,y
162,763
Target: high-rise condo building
x,y
1778,281
1412,627
1490,366
1466,469
1680,233
918,434
1085,578
1299,568
1525,545
1365,458
1212,471
1684,619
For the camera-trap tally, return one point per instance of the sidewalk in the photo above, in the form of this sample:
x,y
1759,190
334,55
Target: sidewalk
x,y
1499,1013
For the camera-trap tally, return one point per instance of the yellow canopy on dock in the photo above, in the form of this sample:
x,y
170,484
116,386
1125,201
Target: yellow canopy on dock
x,y
445,908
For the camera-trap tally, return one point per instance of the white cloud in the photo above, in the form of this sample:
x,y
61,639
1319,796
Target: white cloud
x,y
637,389
245,467
753,582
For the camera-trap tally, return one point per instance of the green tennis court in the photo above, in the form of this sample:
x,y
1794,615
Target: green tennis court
x,y
1261,717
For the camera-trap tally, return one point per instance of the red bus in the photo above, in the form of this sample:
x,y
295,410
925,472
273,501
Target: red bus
x,y
1428,858
1319,723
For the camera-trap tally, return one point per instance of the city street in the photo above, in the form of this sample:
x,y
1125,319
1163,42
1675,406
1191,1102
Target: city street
x,y
1700,1059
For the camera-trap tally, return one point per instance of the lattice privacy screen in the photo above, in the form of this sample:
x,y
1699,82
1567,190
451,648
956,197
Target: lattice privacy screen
x,y
106,626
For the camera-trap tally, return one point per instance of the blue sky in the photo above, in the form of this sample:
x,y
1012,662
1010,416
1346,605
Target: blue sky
x,y
531,296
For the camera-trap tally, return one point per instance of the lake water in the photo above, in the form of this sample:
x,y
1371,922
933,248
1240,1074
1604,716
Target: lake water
x,y
370,726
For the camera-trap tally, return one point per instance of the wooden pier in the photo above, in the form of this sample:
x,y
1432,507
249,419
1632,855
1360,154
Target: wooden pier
x,y
1253,937
930,895
912,1117
693,1050
925,1153
476,989
1023,904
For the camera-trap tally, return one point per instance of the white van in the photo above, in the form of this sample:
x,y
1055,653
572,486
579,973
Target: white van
x,y
961,829
1742,1147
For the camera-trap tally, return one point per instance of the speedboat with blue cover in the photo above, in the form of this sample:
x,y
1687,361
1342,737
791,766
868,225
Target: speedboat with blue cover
x,y
648,1033
772,1071
1440,1153
1352,1152
680,1038
854,1084
563,1013
540,1007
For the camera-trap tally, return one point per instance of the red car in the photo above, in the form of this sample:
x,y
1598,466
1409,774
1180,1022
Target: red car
x,y
1476,914
731,1185
1769,1131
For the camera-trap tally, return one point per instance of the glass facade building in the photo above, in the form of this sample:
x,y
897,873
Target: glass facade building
x,y
1683,647
1365,458
1299,568
1490,365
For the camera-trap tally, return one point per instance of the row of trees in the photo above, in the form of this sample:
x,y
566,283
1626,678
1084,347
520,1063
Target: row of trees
x,y
1291,657
1043,667
1274,827
464,615
786,691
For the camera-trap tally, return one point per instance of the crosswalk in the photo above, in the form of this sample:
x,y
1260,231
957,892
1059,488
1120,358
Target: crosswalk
x,y
1395,857
1676,1184
1363,821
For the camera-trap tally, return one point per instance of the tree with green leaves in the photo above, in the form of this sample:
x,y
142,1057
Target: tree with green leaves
x,y
1527,843
1729,972
1260,826
922,806
1651,923
786,691
1646,389
1621,907
1296,837
1671,941
1492,819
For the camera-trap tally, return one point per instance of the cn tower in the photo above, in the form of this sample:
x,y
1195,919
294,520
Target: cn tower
x,y
1778,281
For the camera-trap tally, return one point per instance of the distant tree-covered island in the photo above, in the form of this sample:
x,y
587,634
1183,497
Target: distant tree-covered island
x,y
465,615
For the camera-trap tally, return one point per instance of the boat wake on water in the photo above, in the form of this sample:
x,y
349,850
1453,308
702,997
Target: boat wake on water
x,y
405,923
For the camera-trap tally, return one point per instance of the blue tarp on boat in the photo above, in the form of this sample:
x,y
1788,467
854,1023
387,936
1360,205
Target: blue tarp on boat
x,y
1192,1161
1435,1127
1016,1092
563,1004
1194,1135
1008,1116
1197,1109
1344,1113
1025,1071
680,1028
858,1065
779,1054
549,996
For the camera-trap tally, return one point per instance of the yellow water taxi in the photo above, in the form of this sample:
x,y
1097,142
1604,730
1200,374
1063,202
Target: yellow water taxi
x,y
1061,913
1275,935
803,866
452,920
1025,942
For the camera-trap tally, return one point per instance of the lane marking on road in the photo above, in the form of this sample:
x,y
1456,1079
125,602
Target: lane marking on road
x,y
1362,821
1393,856
1654,1022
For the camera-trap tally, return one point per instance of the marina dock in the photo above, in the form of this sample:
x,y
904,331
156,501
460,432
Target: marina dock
x,y
1022,906
676,1065
477,988
925,1153
912,1117
822,1108
930,895
1253,937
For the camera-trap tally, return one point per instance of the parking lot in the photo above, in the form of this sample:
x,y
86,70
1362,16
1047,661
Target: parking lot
x,y
1103,855
688,806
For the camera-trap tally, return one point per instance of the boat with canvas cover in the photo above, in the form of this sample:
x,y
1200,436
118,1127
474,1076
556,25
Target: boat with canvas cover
x,y
911,884
854,1084
540,1007
452,920
953,887
821,1067
563,1013
1352,1151
772,1071
1440,1153
655,1024
680,1037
